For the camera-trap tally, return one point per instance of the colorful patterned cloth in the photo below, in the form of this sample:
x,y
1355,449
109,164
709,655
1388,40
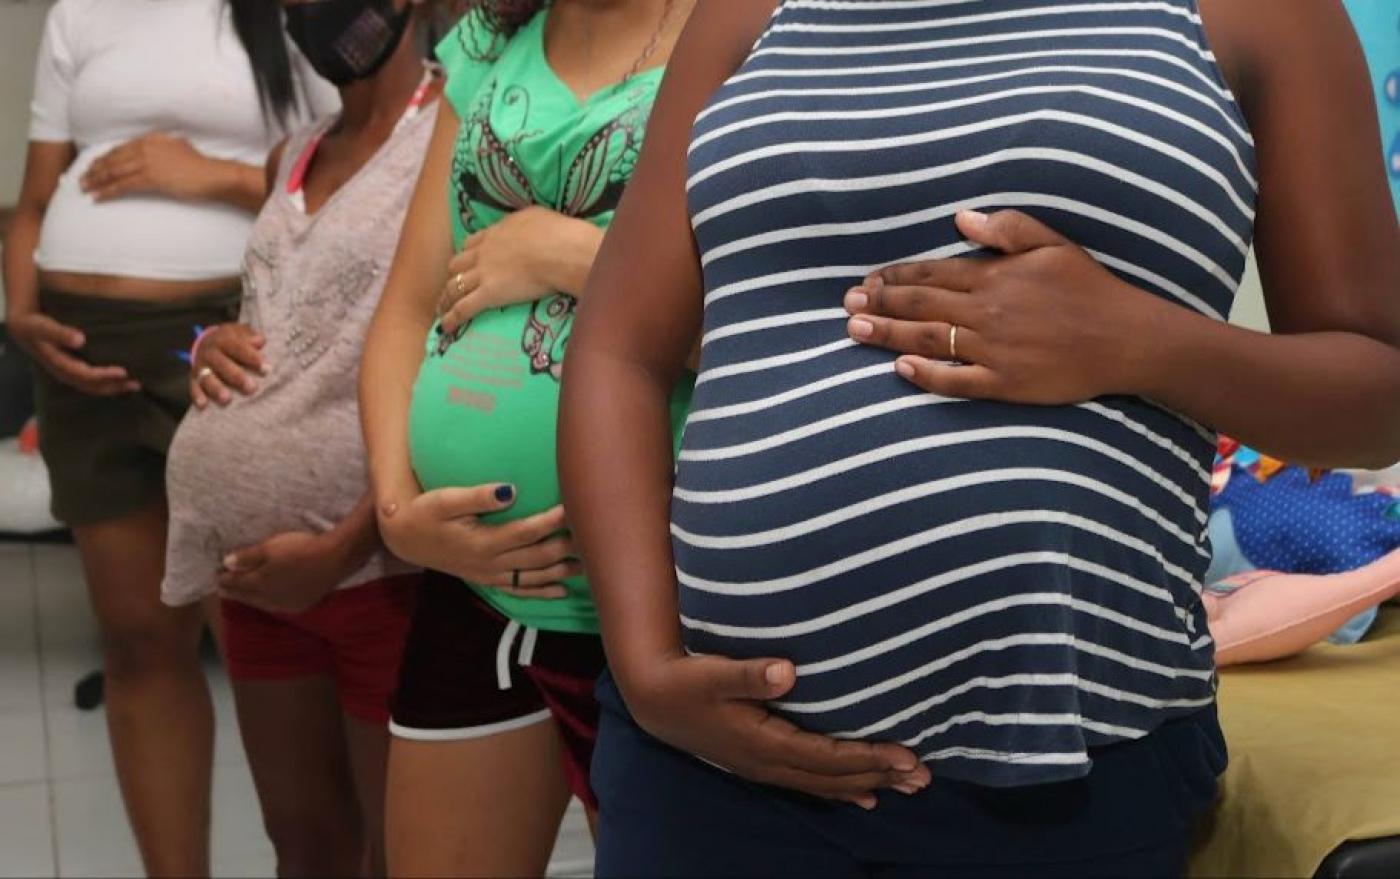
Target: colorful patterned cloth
x,y
1269,515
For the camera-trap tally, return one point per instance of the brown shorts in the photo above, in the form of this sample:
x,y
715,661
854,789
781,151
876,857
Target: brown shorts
x,y
106,455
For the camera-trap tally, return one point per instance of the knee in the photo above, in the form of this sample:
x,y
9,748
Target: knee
x,y
137,649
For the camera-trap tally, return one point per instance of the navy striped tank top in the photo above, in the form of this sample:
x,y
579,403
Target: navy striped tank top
x,y
999,587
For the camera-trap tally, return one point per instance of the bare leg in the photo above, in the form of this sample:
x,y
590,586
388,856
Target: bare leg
x,y
480,807
369,763
295,739
1278,615
159,715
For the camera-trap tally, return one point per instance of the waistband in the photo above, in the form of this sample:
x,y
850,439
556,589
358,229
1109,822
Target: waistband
x,y
111,316
82,303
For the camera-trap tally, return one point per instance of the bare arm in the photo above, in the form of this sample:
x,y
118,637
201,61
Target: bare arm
x,y
44,164
636,325
50,343
394,345
1325,388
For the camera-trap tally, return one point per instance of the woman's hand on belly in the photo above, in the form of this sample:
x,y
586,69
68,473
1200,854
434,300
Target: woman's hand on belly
x,y
713,707
528,255
287,573
442,530
50,343
1044,324
222,358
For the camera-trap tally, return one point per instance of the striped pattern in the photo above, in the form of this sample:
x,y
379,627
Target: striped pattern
x,y
999,587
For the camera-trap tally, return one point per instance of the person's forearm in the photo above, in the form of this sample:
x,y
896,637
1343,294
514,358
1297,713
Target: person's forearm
x,y
234,183
21,274
564,264
1318,399
356,537
393,351
615,465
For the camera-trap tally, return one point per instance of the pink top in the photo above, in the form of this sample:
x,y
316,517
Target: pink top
x,y
290,457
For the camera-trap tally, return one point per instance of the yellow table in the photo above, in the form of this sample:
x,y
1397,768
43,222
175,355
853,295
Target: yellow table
x,y
1314,757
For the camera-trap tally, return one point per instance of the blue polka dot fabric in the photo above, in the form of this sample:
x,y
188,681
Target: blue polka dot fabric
x,y
1292,524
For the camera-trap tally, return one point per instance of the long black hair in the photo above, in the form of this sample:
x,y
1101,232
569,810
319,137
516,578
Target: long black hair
x,y
258,24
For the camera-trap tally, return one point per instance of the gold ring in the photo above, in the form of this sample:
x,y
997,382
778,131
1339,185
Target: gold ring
x,y
461,285
203,374
953,342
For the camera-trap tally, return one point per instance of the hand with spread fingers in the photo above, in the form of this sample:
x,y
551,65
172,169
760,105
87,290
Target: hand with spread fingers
x,y
1041,323
55,346
713,707
154,163
499,266
442,530
225,357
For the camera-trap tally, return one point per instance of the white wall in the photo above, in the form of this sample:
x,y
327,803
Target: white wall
x,y
21,23
1249,304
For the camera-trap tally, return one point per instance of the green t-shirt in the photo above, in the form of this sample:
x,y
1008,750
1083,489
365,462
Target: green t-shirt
x,y
486,401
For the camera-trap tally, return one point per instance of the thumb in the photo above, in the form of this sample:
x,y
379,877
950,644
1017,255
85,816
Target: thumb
x,y
246,559
1010,232
457,503
751,678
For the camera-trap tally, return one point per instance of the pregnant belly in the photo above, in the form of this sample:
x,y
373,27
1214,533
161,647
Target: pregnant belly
x,y
236,476
911,553
480,416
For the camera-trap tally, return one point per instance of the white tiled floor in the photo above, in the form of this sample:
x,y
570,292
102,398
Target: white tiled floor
x,y
60,809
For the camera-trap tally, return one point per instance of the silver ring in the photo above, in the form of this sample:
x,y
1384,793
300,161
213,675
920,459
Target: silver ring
x,y
203,374
953,342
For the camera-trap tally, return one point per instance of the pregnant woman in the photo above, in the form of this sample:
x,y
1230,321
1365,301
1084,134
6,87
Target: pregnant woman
x,y
269,494
151,122
494,721
965,580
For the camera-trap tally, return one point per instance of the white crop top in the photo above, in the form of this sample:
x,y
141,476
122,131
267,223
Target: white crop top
x,y
113,70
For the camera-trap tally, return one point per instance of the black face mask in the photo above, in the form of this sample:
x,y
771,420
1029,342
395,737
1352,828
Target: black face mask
x,y
346,40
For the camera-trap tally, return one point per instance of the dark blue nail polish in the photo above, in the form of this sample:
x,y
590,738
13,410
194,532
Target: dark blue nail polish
x,y
504,493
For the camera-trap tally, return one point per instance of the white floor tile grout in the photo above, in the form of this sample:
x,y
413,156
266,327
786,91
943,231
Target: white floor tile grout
x,y
44,709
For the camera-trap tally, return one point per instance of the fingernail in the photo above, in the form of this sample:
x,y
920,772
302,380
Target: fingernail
x,y
974,216
868,804
230,562
876,282
908,789
856,299
905,764
904,368
773,674
861,329
504,493
265,368
390,509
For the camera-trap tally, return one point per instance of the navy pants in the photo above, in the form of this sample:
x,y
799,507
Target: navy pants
x,y
665,813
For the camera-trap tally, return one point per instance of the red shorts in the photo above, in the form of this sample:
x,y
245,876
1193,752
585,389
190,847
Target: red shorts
x,y
469,672
354,636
